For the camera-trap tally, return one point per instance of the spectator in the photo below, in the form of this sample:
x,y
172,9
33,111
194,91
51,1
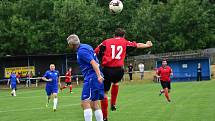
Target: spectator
x,y
130,70
141,69
199,72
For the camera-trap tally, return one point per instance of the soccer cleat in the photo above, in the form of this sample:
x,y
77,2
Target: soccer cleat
x,y
113,108
70,92
105,119
169,100
11,94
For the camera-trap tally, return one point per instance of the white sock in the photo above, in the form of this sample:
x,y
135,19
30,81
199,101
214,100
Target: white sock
x,y
88,114
98,115
14,92
55,103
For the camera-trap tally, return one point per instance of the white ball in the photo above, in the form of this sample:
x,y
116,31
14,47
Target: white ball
x,y
115,6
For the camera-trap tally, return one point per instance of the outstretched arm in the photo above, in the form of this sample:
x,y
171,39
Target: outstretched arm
x,y
146,45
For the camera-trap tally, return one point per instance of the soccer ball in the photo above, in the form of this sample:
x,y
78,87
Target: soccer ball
x,y
115,6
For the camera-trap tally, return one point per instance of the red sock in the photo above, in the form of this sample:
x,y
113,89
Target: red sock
x,y
70,88
104,106
166,94
114,94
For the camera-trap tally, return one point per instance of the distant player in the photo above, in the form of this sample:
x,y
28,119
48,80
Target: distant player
x,y
113,52
52,80
68,80
13,80
164,72
93,88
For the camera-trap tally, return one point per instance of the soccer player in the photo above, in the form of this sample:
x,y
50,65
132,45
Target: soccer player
x,y
52,79
164,72
13,80
68,80
113,52
93,87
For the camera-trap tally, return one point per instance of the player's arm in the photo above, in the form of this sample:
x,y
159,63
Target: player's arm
x,y
97,70
45,79
158,72
59,81
17,79
171,72
8,81
100,50
146,45
84,54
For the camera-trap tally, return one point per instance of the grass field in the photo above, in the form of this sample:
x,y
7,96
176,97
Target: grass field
x,y
191,101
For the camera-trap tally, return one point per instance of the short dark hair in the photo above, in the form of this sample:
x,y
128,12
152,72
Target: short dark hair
x,y
119,32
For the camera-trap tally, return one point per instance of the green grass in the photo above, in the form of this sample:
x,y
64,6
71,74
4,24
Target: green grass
x,y
191,101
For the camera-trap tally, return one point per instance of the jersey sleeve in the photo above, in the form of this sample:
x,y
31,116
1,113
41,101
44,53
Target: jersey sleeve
x,y
85,55
46,74
131,44
100,49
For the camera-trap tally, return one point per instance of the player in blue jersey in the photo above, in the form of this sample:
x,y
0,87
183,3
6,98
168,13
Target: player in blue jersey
x,y
13,80
93,87
52,78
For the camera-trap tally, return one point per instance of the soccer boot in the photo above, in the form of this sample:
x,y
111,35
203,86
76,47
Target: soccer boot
x,y
105,119
113,108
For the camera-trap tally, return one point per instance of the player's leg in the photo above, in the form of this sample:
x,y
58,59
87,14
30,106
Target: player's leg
x,y
97,110
104,102
166,91
163,87
55,100
48,93
85,103
13,87
63,87
70,87
114,94
118,75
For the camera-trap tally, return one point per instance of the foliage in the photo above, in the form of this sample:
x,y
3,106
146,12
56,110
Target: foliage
x,y
41,26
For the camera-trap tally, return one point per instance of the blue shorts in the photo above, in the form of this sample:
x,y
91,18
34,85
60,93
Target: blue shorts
x,y
13,86
51,89
92,89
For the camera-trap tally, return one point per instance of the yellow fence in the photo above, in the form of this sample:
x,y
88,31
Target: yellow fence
x,y
23,71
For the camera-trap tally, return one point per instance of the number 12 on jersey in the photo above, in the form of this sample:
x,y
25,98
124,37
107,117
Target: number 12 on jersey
x,y
116,51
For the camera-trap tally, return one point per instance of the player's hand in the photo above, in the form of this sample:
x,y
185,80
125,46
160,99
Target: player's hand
x,y
149,44
100,78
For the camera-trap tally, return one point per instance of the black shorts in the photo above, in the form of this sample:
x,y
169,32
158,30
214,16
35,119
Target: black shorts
x,y
68,83
165,84
112,75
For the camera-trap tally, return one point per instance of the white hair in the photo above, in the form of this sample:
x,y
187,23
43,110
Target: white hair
x,y
73,39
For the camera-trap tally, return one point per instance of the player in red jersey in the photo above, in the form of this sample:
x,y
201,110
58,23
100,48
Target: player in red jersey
x,y
164,72
68,80
113,52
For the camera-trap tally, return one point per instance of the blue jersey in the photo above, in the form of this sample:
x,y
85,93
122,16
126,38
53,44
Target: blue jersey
x,y
54,75
13,78
92,89
85,54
